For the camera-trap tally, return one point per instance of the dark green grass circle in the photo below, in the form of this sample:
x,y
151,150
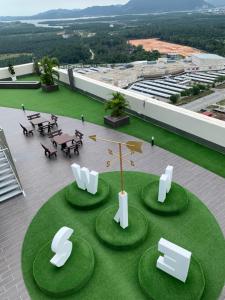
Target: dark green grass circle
x,y
160,286
176,201
116,237
83,200
64,281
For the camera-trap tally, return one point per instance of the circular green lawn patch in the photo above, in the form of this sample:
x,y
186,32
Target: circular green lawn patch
x,y
83,200
161,286
176,201
113,235
64,281
115,273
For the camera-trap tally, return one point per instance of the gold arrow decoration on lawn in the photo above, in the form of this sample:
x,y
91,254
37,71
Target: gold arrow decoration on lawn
x,y
133,146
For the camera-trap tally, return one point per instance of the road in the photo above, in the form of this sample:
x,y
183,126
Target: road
x,y
92,54
204,102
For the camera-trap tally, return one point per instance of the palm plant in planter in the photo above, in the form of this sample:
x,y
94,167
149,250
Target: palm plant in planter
x,y
117,105
47,73
12,72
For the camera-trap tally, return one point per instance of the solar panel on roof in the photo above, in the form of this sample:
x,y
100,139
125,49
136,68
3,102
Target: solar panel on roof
x,y
173,84
153,93
154,88
171,88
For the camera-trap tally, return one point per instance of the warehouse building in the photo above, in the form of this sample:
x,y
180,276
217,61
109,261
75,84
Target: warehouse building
x,y
205,62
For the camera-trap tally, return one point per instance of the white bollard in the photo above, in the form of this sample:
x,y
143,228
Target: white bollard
x,y
85,179
122,213
163,184
61,246
176,260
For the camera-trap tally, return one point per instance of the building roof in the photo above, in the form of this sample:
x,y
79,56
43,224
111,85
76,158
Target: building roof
x,y
208,56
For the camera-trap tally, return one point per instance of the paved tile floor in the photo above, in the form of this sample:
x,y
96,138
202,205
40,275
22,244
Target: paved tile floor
x,y
41,178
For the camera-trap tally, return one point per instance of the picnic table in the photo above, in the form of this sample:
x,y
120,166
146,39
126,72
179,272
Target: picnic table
x,y
39,122
63,139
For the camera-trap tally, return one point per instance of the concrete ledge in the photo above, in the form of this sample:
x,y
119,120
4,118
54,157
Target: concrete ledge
x,y
20,84
116,122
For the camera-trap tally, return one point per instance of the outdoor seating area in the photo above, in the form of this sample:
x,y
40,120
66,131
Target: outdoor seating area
x,y
68,143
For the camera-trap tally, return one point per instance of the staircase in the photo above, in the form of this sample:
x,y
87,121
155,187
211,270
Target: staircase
x,y
9,184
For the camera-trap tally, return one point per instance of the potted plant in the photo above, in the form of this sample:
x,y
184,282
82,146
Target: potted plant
x,y
12,72
48,74
117,105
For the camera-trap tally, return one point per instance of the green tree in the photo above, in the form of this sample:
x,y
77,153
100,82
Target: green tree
x,y
174,98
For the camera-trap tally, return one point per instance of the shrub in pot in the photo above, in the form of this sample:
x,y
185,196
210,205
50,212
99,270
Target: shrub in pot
x,y
117,106
12,72
47,73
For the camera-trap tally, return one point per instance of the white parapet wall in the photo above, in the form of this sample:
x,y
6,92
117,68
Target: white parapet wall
x,y
198,125
20,70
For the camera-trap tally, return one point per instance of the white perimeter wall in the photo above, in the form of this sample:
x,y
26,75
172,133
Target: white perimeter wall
x,y
204,127
19,69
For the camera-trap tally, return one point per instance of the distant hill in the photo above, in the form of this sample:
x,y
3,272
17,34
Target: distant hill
x,y
132,7
164,5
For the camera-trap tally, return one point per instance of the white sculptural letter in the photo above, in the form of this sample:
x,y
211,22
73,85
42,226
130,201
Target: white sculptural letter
x,y
61,246
165,183
85,179
122,213
169,172
176,260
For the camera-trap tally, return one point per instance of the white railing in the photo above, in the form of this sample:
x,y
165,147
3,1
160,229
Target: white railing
x,y
20,70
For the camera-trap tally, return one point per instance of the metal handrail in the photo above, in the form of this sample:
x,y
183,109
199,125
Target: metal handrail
x,y
14,171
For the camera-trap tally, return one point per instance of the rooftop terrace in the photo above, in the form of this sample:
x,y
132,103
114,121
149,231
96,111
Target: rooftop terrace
x,y
73,104
197,168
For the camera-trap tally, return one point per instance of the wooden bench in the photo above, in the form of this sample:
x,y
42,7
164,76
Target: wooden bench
x,y
78,138
52,134
42,128
55,133
53,121
68,150
33,116
27,131
49,151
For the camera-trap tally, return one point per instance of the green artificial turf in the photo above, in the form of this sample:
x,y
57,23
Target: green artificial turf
x,y
72,104
151,278
176,200
61,282
110,233
116,272
83,200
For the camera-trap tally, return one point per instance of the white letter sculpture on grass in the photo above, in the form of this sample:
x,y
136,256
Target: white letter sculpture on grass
x,y
176,260
165,184
122,213
61,246
85,179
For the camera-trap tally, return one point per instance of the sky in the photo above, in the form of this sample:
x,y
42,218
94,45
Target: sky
x,y
30,7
